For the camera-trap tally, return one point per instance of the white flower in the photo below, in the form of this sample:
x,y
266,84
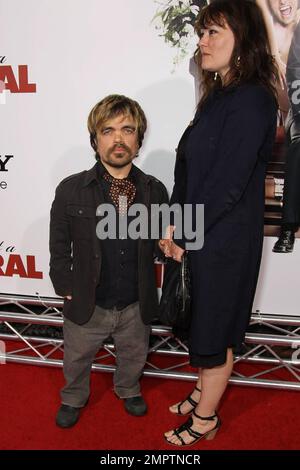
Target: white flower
x,y
189,29
179,35
183,43
175,36
158,23
186,3
195,10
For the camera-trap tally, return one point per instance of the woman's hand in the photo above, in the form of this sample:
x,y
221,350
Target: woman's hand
x,y
176,252
169,248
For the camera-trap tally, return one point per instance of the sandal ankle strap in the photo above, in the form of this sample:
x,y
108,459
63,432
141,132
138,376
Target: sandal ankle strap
x,y
206,418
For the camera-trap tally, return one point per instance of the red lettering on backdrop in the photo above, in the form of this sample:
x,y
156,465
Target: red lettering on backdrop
x,y
7,76
11,83
158,274
1,264
31,271
16,267
24,86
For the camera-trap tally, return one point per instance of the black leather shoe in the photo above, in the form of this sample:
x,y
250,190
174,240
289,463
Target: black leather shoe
x,y
67,416
285,243
135,406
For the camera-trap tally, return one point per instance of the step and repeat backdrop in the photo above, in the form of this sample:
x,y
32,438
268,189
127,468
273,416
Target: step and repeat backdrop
x,y
57,59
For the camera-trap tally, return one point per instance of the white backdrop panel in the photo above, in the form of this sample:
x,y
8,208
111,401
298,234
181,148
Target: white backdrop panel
x,y
76,53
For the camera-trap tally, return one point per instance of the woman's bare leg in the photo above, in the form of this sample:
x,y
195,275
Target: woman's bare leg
x,y
185,406
213,384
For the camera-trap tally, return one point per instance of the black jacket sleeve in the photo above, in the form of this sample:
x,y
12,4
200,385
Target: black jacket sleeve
x,y
60,245
179,188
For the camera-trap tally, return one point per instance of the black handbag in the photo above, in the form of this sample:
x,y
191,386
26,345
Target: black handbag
x,y
175,302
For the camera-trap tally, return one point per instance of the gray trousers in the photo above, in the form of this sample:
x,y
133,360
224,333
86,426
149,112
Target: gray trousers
x,y
82,342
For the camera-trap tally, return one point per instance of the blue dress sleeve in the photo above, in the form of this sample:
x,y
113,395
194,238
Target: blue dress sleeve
x,y
247,137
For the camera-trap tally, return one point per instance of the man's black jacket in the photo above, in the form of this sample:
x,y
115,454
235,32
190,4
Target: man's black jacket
x,y
75,251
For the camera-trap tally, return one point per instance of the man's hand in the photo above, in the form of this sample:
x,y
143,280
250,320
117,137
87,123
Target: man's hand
x,y
68,297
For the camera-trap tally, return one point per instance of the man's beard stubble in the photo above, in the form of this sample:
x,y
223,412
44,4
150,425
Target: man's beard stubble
x,y
122,162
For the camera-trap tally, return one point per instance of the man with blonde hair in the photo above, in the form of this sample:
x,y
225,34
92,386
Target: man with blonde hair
x,y
108,283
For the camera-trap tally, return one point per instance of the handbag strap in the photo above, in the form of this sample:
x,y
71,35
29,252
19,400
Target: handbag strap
x,y
183,270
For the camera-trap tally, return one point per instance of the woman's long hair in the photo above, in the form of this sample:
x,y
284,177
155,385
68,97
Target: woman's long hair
x,y
251,58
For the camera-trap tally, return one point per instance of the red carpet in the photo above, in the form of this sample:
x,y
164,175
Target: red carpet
x,y
252,418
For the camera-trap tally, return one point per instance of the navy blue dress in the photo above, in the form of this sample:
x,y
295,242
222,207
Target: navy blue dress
x,y
221,163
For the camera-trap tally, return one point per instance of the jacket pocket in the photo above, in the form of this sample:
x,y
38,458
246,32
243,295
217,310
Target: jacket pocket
x,y
82,221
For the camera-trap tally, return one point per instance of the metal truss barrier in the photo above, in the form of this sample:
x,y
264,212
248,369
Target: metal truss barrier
x,y
272,345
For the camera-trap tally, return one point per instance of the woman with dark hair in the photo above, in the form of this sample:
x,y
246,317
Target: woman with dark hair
x,y
221,163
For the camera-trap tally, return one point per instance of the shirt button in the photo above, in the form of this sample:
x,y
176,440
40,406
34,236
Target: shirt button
x,y
122,252
96,256
80,211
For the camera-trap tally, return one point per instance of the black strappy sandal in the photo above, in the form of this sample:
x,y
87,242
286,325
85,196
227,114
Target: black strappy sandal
x,y
187,426
190,400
